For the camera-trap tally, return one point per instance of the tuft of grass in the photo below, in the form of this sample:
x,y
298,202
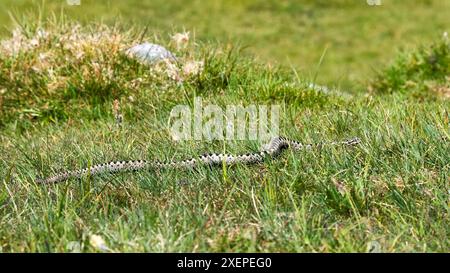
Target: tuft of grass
x,y
423,72
48,72
56,71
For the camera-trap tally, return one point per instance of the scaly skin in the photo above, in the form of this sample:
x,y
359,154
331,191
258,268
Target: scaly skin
x,y
276,146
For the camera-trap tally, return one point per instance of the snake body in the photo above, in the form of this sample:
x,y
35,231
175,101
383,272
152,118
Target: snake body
x,y
273,149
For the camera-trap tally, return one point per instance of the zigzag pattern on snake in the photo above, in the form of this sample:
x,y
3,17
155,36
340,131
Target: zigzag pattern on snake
x,y
273,149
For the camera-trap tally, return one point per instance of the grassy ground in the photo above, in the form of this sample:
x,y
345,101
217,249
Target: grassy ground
x,y
390,194
355,37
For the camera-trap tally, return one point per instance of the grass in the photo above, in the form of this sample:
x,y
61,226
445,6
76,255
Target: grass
x,y
390,194
424,72
357,38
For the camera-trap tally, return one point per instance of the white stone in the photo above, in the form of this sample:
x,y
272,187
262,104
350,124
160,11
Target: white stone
x,y
150,53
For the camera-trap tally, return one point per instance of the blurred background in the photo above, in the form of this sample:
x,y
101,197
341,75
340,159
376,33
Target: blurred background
x,y
341,42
